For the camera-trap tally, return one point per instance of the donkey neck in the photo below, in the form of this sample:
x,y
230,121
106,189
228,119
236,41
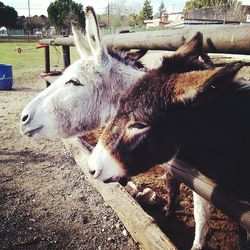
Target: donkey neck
x,y
124,76
216,140
120,79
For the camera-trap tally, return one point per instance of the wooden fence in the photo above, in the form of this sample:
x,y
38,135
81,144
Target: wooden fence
x,y
233,39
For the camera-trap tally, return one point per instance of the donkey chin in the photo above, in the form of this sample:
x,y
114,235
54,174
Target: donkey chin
x,y
38,131
104,167
31,132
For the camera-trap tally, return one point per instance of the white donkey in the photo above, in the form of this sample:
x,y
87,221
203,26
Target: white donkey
x,y
87,95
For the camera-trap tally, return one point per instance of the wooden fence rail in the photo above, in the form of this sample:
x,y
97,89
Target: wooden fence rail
x,y
233,39
206,188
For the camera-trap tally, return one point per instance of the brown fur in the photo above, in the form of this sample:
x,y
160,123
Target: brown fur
x,y
186,58
92,136
188,83
156,101
137,55
168,88
193,47
181,83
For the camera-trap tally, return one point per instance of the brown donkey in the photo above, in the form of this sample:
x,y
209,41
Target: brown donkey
x,y
186,58
200,117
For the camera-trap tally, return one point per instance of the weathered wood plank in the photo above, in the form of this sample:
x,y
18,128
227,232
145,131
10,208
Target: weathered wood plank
x,y
141,226
233,39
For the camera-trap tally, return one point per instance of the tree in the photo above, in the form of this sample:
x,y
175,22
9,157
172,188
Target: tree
x,y
202,4
231,10
62,12
161,9
236,12
147,11
20,22
8,15
118,8
35,22
118,13
134,20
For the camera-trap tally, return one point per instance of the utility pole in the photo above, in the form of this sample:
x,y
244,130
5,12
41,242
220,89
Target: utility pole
x,y
29,20
108,18
29,7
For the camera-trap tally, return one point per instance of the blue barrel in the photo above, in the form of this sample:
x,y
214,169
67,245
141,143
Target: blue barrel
x,y
6,77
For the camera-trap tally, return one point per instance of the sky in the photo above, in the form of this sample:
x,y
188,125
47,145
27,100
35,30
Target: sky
x,y
39,7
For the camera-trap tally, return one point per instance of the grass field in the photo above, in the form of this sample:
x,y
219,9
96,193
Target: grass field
x,y
28,64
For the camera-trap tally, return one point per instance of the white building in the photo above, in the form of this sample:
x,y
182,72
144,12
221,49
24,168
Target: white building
x,y
3,31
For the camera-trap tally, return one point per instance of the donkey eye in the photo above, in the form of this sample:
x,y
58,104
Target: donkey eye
x,y
75,82
138,125
137,128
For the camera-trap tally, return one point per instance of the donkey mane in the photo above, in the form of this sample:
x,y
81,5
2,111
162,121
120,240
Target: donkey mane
x,y
121,56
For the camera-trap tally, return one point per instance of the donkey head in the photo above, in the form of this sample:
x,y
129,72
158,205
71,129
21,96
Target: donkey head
x,y
55,111
152,120
85,96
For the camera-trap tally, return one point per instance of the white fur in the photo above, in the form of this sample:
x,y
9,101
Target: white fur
x,y
82,43
202,210
104,165
92,32
65,110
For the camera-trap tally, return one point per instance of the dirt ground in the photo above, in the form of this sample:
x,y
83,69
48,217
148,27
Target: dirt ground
x,y
45,202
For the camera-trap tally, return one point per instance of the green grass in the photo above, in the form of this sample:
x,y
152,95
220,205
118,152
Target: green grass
x,y
28,64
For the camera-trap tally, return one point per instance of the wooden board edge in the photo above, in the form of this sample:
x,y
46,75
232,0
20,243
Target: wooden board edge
x,y
139,224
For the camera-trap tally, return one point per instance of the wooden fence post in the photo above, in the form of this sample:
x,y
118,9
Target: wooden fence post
x,y
47,62
66,56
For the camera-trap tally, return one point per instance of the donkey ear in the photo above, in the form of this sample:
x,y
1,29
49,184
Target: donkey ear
x,y
81,41
193,48
185,59
99,51
199,86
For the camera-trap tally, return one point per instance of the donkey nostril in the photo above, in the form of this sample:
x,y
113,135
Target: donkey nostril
x,y
92,172
25,118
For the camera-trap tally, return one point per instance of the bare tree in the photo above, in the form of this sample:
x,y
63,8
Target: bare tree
x,y
231,9
118,13
119,8
235,12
